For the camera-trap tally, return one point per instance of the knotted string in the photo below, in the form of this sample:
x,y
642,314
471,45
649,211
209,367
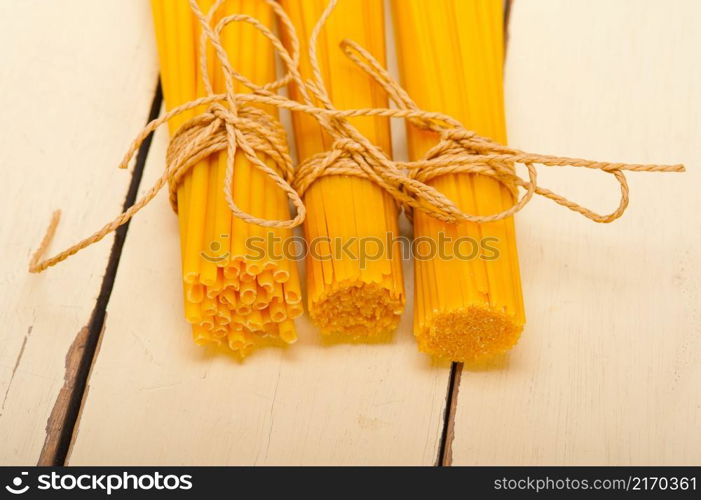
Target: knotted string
x,y
352,154
460,150
232,122
236,127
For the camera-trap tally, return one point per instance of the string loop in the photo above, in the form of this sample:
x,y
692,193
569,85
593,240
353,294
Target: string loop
x,y
228,124
462,151
234,122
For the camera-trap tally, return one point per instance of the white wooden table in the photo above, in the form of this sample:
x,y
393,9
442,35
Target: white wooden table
x,y
609,367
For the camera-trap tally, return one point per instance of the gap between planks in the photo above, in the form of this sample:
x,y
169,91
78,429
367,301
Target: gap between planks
x,y
445,452
62,423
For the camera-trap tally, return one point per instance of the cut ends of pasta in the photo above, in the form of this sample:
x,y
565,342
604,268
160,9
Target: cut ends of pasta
x,y
358,310
470,334
464,310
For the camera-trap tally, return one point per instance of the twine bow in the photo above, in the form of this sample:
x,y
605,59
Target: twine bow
x,y
352,154
460,151
233,122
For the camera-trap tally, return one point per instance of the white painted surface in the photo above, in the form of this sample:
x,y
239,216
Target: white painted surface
x,y
609,367
155,397
73,94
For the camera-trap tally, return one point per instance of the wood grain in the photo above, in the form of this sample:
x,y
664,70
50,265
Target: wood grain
x,y
60,413
155,397
73,94
609,367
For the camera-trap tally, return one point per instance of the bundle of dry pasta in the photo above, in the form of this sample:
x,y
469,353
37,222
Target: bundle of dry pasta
x,y
231,176
354,275
468,302
239,288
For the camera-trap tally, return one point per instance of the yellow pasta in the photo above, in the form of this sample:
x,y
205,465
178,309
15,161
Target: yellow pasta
x,y
227,287
351,291
468,303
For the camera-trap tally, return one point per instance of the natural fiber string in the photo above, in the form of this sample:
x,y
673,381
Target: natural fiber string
x,y
458,151
463,151
352,154
228,124
250,129
231,123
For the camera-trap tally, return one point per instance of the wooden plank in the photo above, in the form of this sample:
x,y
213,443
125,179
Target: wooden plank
x,y
73,95
155,397
609,367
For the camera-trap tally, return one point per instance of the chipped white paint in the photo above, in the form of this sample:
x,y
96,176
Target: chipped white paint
x,y
73,93
609,367
155,397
